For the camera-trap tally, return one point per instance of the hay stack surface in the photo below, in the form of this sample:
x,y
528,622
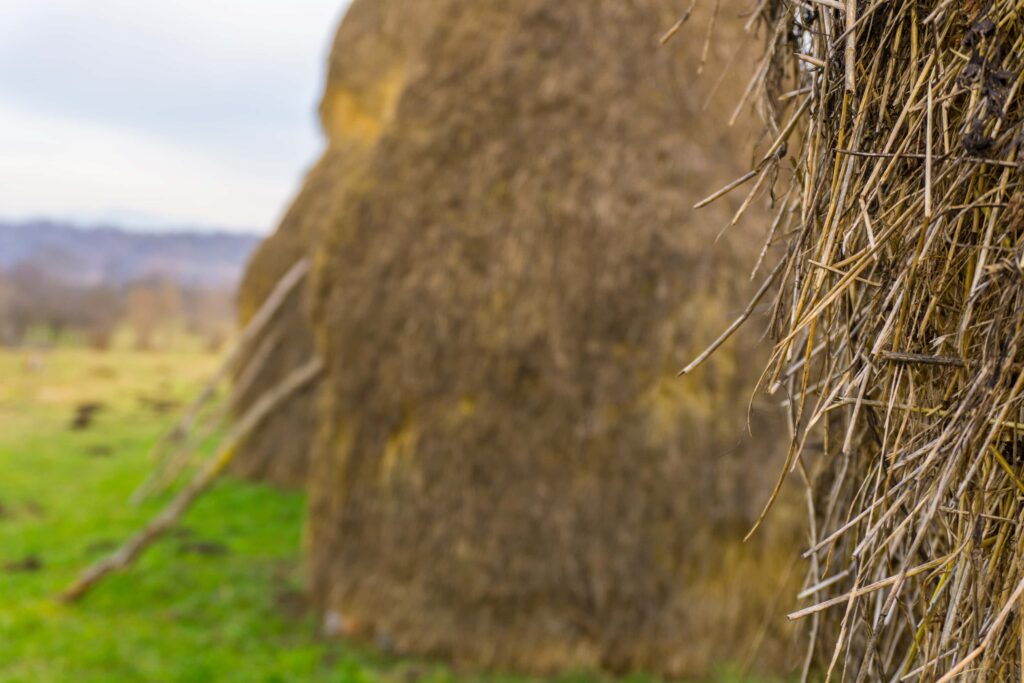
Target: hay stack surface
x,y
358,101
508,472
900,323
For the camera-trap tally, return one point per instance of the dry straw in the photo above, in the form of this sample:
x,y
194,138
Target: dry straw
x,y
507,474
899,320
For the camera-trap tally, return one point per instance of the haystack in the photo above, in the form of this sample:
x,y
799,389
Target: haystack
x,y
900,324
358,100
278,450
508,472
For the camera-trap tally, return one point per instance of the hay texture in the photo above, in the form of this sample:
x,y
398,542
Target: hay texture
x,y
358,101
900,325
509,474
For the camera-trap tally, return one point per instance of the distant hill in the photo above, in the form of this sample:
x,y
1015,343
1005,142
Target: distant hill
x,y
114,256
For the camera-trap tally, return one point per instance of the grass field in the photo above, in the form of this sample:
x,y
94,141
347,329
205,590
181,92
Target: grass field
x,y
220,599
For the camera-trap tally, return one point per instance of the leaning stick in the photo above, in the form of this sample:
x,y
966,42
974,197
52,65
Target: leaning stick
x,y
271,305
177,460
170,515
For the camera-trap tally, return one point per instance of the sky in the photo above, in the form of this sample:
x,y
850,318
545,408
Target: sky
x,y
153,114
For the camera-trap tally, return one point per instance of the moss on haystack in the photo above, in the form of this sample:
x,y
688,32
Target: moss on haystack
x,y
507,472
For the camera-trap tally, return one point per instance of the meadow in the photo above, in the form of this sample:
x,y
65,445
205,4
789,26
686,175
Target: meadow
x,y
219,599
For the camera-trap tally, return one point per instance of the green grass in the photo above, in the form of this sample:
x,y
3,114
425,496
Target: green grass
x,y
220,599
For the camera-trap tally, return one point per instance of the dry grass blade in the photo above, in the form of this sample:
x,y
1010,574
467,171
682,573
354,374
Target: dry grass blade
x,y
667,36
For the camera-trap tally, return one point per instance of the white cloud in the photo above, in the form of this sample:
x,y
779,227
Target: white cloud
x,y
82,171
194,110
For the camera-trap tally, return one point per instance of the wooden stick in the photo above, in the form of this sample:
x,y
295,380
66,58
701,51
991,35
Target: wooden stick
x,y
158,482
271,305
170,515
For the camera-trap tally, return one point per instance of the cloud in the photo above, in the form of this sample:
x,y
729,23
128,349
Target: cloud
x,y
195,94
80,170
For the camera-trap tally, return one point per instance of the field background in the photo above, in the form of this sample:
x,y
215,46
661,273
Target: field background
x,y
218,599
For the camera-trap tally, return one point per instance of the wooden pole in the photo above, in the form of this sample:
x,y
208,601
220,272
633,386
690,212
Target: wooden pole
x,y
170,515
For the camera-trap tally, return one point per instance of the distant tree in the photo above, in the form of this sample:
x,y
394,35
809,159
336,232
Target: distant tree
x,y
153,307
102,308
209,314
8,334
39,300
35,299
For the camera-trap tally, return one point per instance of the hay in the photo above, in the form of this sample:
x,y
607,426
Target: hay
x,y
172,453
508,473
358,100
900,324
278,450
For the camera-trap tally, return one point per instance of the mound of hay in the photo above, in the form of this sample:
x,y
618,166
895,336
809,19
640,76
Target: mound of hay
x,y
508,472
358,101
900,325
278,450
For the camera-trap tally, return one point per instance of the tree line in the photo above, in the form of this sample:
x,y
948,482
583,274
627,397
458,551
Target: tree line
x,y
38,306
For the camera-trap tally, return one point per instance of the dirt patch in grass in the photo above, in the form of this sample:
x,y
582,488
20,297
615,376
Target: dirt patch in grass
x,y
84,415
29,563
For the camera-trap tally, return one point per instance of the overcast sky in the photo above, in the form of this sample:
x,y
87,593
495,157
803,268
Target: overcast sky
x,y
159,113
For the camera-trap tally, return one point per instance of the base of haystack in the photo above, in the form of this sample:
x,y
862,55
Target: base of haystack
x,y
278,453
728,616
